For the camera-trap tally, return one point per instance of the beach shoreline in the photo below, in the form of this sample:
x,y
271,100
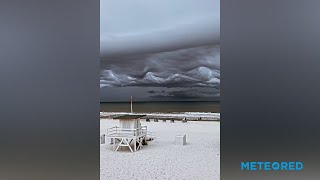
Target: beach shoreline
x,y
191,116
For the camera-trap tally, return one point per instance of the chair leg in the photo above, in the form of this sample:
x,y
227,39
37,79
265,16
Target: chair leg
x,y
140,143
128,145
119,144
114,143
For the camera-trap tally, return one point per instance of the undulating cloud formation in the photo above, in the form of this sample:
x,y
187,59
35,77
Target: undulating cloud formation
x,y
195,67
162,50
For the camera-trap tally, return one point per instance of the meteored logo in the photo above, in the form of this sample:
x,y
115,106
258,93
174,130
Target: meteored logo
x,y
267,166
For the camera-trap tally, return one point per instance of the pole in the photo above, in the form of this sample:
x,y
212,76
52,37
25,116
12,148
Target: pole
x,y
131,104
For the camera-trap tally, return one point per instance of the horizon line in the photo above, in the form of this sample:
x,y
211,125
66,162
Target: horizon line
x,y
152,101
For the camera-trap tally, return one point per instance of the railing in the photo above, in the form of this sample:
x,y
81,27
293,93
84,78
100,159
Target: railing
x,y
122,131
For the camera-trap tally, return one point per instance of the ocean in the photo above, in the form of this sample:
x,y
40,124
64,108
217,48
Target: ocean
x,y
161,107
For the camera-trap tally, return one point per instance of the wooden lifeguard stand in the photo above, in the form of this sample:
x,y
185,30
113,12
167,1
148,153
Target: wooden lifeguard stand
x,y
129,131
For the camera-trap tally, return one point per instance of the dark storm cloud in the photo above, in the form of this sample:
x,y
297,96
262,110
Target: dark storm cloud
x,y
194,67
187,94
152,92
156,92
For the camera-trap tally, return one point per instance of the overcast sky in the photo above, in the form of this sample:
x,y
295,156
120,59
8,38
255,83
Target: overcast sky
x,y
160,50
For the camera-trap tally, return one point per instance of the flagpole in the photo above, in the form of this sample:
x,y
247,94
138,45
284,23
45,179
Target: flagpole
x,y
131,105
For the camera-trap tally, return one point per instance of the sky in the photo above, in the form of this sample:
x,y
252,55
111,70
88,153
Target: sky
x,y
160,50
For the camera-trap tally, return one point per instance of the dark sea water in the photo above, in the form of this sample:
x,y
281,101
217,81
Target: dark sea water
x,y
163,107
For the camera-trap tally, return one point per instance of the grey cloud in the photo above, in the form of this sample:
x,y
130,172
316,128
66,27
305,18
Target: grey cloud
x,y
137,27
156,92
194,67
159,94
152,92
188,94
159,40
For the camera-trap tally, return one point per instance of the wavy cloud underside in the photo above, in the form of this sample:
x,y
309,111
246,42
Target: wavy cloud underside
x,y
186,74
194,67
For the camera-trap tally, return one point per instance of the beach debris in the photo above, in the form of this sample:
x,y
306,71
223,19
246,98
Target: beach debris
x,y
181,139
111,140
144,142
184,120
151,136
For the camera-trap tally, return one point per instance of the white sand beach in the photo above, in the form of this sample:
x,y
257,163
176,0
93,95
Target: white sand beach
x,y
199,159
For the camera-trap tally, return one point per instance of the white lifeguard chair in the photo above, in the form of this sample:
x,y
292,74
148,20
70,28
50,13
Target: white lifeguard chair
x,y
129,131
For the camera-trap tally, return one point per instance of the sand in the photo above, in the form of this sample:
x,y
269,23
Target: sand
x,y
161,158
